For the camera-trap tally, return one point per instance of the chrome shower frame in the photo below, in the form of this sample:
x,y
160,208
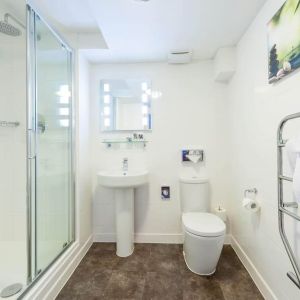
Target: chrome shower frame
x,y
32,128
282,211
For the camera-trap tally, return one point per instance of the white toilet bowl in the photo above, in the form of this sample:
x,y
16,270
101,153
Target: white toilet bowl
x,y
204,235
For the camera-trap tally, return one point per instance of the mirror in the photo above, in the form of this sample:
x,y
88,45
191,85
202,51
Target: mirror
x,y
125,105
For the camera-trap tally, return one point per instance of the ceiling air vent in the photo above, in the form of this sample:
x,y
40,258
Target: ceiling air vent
x,y
179,57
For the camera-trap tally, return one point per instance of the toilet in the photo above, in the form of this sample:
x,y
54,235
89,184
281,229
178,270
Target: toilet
x,y
204,233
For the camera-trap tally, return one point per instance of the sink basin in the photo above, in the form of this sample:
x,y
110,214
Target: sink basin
x,y
120,179
123,184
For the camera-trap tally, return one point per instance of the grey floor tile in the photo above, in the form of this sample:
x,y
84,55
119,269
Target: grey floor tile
x,y
156,271
159,286
239,286
139,262
125,285
197,287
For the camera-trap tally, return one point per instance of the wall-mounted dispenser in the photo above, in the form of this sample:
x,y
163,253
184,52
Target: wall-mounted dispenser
x,y
192,155
250,204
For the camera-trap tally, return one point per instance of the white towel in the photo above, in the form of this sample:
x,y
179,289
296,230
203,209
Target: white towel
x,y
293,153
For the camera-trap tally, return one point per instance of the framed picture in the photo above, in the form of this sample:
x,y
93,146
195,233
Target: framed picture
x,y
284,41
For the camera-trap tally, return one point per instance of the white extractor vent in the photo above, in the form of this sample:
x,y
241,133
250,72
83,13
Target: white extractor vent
x,y
179,57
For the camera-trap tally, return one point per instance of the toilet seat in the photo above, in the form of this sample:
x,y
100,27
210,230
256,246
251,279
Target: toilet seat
x,y
203,224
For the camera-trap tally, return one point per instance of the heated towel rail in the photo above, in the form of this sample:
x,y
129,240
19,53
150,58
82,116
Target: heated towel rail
x,y
282,211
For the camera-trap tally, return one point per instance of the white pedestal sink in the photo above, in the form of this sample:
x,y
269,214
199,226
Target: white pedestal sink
x,y
123,184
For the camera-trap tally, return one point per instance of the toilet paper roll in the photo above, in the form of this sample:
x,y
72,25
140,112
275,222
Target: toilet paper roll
x,y
251,205
221,213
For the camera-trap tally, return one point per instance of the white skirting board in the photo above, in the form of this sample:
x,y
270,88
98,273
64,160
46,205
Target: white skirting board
x,y
142,238
256,276
154,238
49,286
227,239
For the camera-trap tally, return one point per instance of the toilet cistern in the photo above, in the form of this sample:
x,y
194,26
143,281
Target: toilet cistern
x,y
125,164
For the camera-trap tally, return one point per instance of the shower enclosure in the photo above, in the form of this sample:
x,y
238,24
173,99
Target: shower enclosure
x,y
36,147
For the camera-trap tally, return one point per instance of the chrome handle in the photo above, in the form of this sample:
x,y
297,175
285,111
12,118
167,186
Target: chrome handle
x,y
31,144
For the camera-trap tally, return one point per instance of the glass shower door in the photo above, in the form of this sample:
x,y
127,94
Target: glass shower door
x,y
53,186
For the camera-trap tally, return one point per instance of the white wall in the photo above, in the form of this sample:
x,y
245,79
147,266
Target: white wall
x,y
190,112
255,109
84,181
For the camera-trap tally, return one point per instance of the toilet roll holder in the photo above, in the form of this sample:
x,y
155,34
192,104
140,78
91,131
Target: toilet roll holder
x,y
250,191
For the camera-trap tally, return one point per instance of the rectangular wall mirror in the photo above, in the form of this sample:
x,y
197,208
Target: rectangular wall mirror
x,y
125,105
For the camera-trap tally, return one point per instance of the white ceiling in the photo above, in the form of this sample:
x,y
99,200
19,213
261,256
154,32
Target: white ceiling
x,y
137,31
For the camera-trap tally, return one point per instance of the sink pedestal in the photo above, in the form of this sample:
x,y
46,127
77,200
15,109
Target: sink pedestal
x,y
123,184
124,201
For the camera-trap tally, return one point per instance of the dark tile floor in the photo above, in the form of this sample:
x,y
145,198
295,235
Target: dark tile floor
x,y
156,271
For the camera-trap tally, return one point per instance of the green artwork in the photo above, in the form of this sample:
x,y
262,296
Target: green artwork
x,y
284,41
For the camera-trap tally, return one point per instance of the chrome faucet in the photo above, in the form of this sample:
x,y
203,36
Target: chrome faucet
x,y
125,164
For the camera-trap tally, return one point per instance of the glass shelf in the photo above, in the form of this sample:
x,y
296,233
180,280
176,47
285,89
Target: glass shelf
x,y
109,143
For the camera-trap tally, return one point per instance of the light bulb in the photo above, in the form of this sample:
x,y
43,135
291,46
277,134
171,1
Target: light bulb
x,y
107,122
144,86
145,98
144,110
106,99
64,122
64,111
106,110
106,87
145,121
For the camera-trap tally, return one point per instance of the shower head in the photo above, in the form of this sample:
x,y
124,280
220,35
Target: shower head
x,y
9,29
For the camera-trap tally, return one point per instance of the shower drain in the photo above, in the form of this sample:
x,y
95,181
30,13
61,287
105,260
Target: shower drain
x,y
11,290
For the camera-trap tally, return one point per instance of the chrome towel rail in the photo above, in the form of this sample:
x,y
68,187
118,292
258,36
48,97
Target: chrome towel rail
x,y
282,211
9,124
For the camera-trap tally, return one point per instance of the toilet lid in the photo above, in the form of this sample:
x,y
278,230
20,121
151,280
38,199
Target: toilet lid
x,y
203,224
